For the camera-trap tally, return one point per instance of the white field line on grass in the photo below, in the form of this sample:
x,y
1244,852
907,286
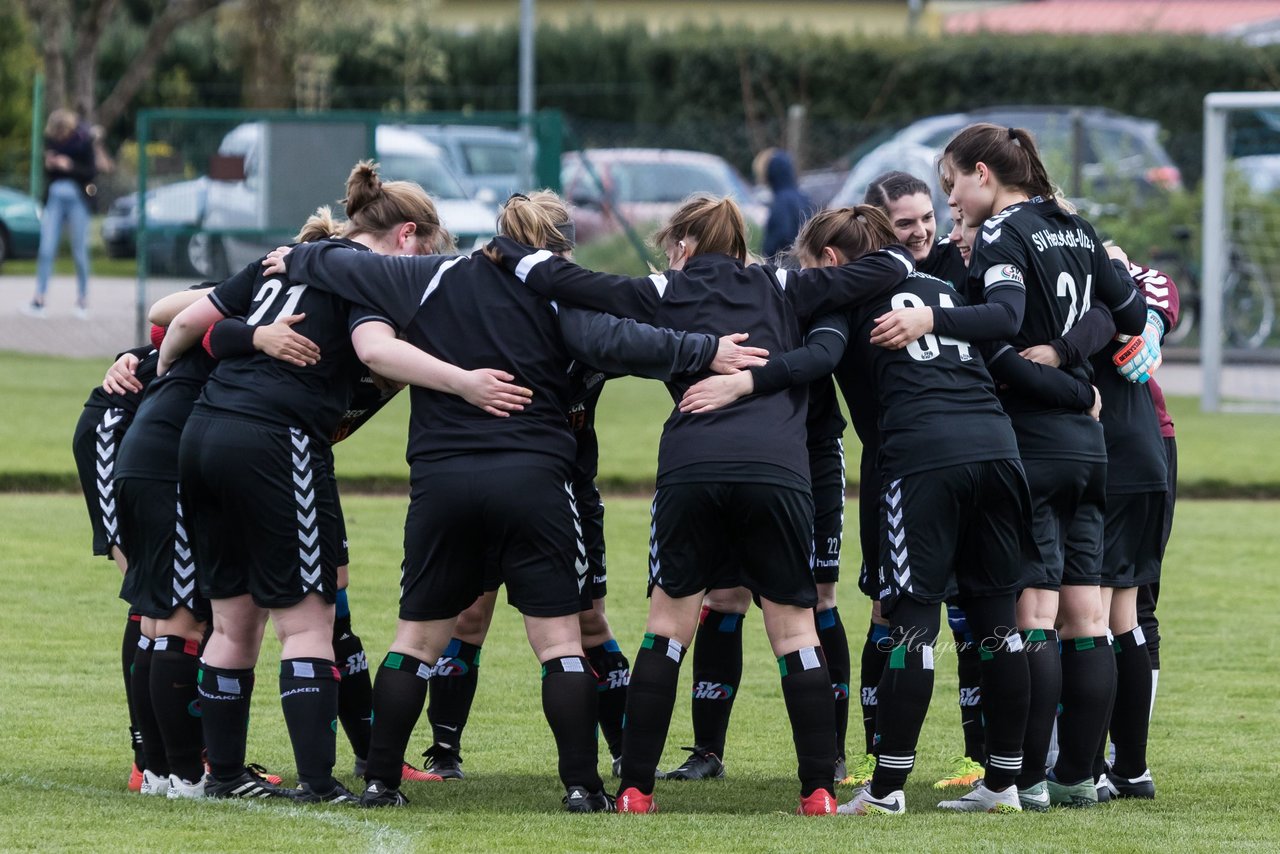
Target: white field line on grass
x,y
381,838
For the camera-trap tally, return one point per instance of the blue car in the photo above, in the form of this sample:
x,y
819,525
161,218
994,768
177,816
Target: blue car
x,y
19,225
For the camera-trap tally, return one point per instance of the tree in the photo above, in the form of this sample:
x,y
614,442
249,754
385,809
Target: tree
x,y
70,32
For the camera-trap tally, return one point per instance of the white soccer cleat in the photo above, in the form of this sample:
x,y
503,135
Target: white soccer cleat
x,y
864,804
154,784
982,799
180,788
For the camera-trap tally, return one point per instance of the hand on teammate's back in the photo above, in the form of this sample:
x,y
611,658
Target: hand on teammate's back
x,y
274,263
717,392
731,357
279,341
120,377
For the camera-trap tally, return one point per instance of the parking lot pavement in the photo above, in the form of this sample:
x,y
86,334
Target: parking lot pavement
x,y
112,323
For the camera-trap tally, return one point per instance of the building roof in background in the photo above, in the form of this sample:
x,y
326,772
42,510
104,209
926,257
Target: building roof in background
x,y
1096,17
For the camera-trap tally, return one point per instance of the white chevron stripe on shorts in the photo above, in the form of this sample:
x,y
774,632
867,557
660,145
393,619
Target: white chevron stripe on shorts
x,y
896,534
105,466
580,558
184,565
304,493
655,567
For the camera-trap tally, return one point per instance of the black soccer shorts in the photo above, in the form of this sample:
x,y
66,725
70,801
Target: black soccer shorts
x,y
1067,500
1131,539
826,473
156,536
94,445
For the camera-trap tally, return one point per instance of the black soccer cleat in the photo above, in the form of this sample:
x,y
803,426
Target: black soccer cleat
x,y
578,799
1141,786
701,765
379,794
247,785
339,794
443,762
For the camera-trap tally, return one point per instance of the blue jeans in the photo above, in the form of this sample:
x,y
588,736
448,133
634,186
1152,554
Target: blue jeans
x,y
66,204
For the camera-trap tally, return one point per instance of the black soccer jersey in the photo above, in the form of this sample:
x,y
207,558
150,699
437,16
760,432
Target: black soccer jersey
x,y
1136,459
312,397
367,398
1033,274
945,262
100,398
717,294
471,313
150,448
937,403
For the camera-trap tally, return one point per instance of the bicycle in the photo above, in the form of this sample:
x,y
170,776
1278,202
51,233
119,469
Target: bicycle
x,y
1248,299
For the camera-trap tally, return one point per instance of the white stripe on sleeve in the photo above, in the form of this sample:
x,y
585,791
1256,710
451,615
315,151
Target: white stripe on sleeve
x,y
659,282
435,280
528,262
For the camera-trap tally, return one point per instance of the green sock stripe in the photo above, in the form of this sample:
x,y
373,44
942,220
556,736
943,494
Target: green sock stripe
x,y
1032,635
1082,644
782,665
984,654
647,643
394,660
898,657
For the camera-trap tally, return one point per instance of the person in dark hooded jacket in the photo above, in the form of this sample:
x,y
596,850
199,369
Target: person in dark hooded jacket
x,y
789,208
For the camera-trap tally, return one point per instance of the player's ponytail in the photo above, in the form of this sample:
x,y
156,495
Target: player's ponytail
x,y
852,232
318,226
1010,153
539,219
715,223
375,207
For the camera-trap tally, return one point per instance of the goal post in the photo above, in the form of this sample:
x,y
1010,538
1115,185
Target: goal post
x,y
1240,252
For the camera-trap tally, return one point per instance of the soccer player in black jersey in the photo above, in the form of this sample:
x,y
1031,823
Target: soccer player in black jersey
x,y
103,423
908,203
255,479
733,486
1035,270
453,686
489,495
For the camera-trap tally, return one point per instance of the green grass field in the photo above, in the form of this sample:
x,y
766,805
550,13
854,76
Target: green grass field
x,y
45,396
64,750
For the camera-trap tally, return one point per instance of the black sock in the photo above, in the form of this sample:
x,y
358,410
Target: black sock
x,y
309,698
1131,713
904,693
875,652
144,713
129,648
1088,689
1148,595
398,695
614,673
835,647
452,691
1002,667
806,688
225,695
969,676
651,697
717,670
355,691
1044,669
174,662
569,703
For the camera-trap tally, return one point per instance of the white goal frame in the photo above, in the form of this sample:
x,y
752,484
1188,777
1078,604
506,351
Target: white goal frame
x,y
1216,237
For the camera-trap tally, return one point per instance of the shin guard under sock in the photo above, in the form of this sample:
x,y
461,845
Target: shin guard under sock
x,y
835,647
453,690
144,713
1044,669
875,653
1131,712
225,694
355,691
717,671
174,662
1088,689
309,698
613,674
651,697
129,648
569,704
806,688
398,695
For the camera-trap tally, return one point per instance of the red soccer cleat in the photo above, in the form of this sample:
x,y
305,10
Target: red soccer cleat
x,y
635,801
263,774
135,778
418,775
820,802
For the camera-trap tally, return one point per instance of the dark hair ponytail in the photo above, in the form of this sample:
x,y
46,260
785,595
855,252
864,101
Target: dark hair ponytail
x,y
1010,154
892,186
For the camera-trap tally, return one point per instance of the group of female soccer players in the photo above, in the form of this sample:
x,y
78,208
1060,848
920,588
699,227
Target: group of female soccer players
x,y
985,485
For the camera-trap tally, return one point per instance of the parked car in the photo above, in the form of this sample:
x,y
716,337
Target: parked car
x,y
212,225
19,225
1117,154
644,186
490,161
